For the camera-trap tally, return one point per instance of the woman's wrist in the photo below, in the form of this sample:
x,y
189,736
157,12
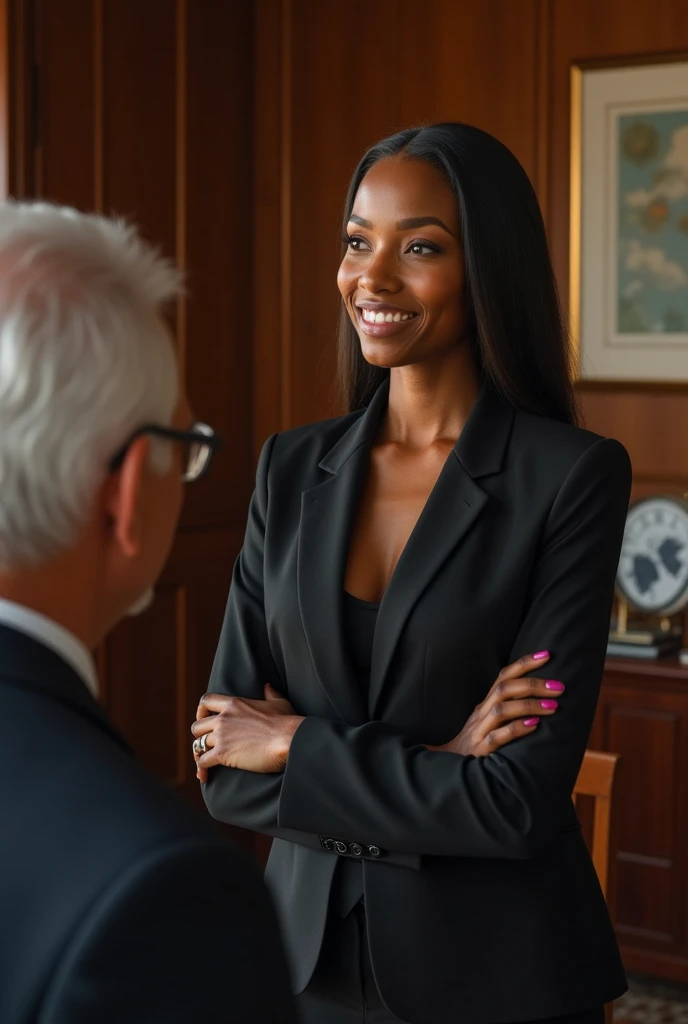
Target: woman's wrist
x,y
289,725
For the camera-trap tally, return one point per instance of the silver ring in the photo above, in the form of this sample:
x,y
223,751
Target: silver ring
x,y
200,744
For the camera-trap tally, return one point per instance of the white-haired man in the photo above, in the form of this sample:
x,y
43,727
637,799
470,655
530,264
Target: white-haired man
x,y
116,904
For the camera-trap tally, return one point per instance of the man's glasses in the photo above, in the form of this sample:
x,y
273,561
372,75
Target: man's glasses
x,y
202,442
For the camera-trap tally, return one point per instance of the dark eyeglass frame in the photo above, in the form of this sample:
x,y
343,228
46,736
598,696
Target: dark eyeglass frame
x,y
199,434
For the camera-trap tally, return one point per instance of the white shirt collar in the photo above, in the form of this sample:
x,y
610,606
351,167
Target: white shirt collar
x,y
54,636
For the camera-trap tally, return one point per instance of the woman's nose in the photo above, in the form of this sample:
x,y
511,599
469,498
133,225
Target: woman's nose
x,y
380,274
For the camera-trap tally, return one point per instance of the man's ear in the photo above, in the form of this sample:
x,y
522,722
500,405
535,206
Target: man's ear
x,y
124,497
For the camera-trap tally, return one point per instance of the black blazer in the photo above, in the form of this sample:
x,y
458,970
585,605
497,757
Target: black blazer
x,y
114,899
480,895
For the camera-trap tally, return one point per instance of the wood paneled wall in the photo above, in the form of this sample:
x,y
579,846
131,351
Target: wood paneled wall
x,y
229,129
328,86
144,109
652,423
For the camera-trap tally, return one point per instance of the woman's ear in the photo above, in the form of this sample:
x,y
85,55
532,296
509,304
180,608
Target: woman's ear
x,y
125,497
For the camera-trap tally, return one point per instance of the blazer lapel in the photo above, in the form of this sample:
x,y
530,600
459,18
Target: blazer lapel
x,y
327,515
452,509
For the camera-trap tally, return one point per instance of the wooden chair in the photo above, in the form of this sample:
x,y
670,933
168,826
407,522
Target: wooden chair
x,y
598,779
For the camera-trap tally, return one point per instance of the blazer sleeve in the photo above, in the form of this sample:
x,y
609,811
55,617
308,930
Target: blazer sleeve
x,y
243,665
186,932
369,785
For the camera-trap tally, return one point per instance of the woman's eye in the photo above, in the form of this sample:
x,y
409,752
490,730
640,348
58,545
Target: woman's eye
x,y
422,249
354,242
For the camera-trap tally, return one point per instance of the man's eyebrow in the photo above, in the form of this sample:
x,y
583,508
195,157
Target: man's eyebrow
x,y
404,225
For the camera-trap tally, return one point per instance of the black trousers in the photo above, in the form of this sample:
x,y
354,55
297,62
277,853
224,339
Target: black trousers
x,y
343,990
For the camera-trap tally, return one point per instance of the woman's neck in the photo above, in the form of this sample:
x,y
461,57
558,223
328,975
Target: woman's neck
x,y
430,402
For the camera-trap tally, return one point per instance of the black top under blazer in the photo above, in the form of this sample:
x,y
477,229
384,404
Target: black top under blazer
x,y
114,897
481,899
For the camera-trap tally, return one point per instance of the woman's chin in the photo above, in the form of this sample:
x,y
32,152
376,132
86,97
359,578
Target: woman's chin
x,y
380,353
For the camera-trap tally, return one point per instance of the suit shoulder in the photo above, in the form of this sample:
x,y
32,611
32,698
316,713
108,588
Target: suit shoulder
x,y
136,943
563,444
100,827
127,810
326,431
312,440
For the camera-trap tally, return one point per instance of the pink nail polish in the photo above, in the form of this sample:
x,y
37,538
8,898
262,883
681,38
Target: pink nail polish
x,y
550,705
540,655
530,721
552,684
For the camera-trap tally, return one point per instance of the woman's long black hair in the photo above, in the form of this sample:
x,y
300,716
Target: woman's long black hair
x,y
515,321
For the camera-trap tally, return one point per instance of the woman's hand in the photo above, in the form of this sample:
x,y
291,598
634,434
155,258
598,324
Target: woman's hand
x,y
512,708
254,735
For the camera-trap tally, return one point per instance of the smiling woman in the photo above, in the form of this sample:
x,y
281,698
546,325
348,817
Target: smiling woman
x,y
481,220
398,268
428,864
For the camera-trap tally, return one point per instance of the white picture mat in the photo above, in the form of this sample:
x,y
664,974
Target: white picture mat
x,y
607,94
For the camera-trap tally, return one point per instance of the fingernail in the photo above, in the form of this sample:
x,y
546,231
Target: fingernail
x,y
540,655
552,684
550,705
530,721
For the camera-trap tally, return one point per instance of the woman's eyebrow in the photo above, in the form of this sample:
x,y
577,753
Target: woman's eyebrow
x,y
421,222
404,225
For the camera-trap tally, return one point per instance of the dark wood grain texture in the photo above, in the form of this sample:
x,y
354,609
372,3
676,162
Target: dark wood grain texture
x,y
229,131
643,716
146,110
650,422
328,88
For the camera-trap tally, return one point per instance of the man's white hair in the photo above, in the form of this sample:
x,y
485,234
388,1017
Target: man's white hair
x,y
85,360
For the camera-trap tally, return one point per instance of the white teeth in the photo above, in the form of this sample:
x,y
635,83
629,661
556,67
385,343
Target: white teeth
x,y
371,317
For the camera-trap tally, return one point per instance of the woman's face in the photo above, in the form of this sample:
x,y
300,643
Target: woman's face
x,y
402,277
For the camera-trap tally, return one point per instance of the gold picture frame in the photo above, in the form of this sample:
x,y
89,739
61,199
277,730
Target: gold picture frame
x,y
609,100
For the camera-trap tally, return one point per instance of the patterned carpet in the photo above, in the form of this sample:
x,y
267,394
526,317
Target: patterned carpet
x,y
651,1001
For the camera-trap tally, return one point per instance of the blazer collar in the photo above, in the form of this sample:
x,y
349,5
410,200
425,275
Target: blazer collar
x,y
362,431
482,444
328,512
28,663
480,449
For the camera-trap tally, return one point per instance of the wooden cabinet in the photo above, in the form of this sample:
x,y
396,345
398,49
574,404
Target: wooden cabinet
x,y
643,715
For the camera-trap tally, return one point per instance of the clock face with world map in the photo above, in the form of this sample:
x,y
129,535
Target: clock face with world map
x,y
653,568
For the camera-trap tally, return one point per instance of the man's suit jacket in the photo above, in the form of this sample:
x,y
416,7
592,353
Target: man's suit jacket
x,y
481,898
117,905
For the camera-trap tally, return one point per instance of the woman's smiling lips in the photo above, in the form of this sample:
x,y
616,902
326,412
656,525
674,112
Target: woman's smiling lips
x,y
382,320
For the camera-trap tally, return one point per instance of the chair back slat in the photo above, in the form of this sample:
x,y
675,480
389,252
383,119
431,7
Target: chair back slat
x,y
598,778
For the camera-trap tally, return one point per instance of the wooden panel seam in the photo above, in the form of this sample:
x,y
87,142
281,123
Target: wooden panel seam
x,y
36,150
183,734
181,187
542,89
4,98
98,107
285,215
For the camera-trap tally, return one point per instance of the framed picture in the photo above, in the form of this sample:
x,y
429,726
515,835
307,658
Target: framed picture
x,y
629,222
